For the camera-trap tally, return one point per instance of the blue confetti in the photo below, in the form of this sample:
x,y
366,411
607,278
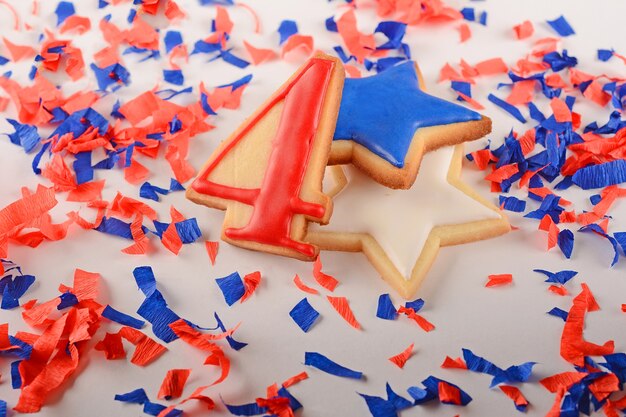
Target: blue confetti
x,y
509,108
559,62
557,312
152,192
172,39
598,230
561,26
3,408
331,25
516,373
304,315
82,167
25,135
232,288
188,230
154,308
174,76
251,409
64,10
565,240
287,29
379,407
137,396
561,277
115,75
16,378
602,175
13,288
386,310
416,305
394,31
122,318
431,391
231,59
67,300
620,238
115,227
238,83
235,344
512,204
321,362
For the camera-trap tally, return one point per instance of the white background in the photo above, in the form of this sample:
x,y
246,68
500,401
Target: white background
x,y
506,325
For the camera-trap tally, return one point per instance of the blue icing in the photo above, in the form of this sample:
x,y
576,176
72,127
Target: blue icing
x,y
382,112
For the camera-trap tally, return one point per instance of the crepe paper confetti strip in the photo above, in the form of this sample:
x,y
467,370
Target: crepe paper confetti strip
x,y
173,383
25,135
514,393
561,26
557,312
13,288
464,32
515,373
596,229
122,318
194,338
524,30
64,10
449,363
154,308
341,305
565,241
302,286
418,319
558,289
380,407
573,345
287,29
400,359
152,192
602,175
444,391
232,287
386,310
235,344
137,396
212,248
251,282
499,280
259,55
304,315
512,110
321,362
513,204
327,281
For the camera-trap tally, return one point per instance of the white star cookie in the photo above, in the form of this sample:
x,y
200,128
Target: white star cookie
x,y
401,231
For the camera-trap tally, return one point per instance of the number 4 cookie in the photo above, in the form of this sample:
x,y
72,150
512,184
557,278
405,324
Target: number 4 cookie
x,y
268,174
387,122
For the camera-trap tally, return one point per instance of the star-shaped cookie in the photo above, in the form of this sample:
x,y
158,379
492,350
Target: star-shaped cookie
x,y
387,122
401,231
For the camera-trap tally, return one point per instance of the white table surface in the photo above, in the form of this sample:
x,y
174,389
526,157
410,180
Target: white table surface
x,y
506,325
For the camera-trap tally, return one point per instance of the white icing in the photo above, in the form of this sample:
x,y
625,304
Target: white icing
x,y
400,220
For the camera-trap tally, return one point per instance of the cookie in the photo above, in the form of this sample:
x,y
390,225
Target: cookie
x,y
401,231
268,174
387,122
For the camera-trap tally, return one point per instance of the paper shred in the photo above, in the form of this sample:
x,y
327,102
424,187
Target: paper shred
x,y
321,362
298,42
327,281
212,249
154,308
524,30
565,240
499,280
561,26
386,310
464,32
64,10
13,288
304,315
235,344
174,76
259,55
137,396
602,175
561,277
514,393
557,312
194,338
400,359
419,320
302,286
359,45
152,192
513,204
25,210
77,24
232,288
19,52
491,67
173,383
25,135
573,346
341,305
121,318
450,363
599,231
452,394
512,110
286,29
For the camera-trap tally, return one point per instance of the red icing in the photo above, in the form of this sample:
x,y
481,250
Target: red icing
x,y
277,201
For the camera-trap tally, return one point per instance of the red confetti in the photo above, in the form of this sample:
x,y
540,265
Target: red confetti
x,y
173,383
327,281
302,286
400,359
251,281
449,363
212,248
524,30
341,305
499,280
